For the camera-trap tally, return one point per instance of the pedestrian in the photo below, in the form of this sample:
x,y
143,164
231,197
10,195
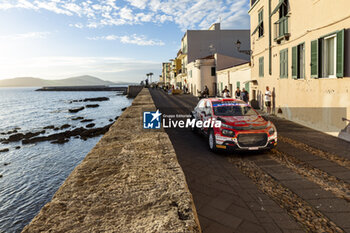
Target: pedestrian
x,y
245,95
268,99
226,92
206,91
238,94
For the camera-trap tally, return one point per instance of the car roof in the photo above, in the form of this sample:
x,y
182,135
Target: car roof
x,y
224,100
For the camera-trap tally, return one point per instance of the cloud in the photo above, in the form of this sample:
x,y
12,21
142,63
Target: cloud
x,y
187,14
133,39
28,35
109,68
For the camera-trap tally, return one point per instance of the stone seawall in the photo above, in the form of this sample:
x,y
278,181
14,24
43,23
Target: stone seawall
x,y
129,182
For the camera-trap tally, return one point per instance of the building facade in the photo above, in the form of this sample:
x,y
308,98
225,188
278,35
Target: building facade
x,y
234,77
199,44
301,49
203,72
166,69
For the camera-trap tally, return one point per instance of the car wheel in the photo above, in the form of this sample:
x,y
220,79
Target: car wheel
x,y
212,141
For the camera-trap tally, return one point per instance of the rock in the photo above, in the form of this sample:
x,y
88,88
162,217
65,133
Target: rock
x,y
17,147
6,164
110,120
90,125
82,132
65,126
30,134
16,137
5,142
4,150
56,129
49,127
91,99
60,141
0,175
96,99
77,118
92,105
75,110
123,109
86,120
116,118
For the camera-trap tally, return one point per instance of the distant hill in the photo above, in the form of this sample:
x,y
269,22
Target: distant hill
x,y
85,80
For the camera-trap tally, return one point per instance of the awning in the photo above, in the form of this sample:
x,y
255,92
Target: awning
x,y
277,7
254,81
257,28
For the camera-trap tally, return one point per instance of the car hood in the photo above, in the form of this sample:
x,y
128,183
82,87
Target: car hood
x,y
244,121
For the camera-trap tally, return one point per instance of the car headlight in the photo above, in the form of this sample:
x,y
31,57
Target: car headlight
x,y
272,131
227,126
228,133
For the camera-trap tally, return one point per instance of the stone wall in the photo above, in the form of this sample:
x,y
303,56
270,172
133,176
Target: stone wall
x,y
130,182
134,90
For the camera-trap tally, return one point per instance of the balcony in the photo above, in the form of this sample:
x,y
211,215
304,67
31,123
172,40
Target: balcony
x,y
282,29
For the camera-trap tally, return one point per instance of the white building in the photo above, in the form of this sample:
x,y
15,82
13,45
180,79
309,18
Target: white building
x,y
197,44
235,76
202,72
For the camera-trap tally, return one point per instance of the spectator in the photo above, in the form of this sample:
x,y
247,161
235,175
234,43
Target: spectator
x,y
238,93
245,95
226,92
268,99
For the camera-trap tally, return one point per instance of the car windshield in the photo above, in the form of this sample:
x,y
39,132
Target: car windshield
x,y
232,109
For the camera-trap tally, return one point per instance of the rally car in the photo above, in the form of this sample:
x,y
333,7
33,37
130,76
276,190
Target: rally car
x,y
241,128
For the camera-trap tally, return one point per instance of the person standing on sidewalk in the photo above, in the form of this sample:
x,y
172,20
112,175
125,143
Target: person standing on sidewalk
x,y
245,95
268,99
238,94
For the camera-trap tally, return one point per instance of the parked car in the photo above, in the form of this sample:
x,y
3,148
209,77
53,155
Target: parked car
x,y
242,128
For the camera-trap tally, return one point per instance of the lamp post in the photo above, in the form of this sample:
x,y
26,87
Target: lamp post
x,y
238,46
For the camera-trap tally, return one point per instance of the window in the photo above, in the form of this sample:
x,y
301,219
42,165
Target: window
x,y
261,67
213,71
190,73
298,61
327,56
261,22
284,63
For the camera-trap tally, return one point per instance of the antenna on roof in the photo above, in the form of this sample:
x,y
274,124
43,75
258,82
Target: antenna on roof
x,y
220,19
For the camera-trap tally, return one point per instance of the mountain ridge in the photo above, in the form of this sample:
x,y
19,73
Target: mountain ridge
x,y
84,80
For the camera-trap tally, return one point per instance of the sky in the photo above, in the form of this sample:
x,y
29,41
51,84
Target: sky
x,y
116,40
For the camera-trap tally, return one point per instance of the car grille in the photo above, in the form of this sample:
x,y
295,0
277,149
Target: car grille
x,y
252,139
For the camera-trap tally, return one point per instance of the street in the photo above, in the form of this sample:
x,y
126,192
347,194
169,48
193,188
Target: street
x,y
301,186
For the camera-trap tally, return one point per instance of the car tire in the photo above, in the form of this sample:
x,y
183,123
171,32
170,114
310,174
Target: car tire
x,y
212,141
194,128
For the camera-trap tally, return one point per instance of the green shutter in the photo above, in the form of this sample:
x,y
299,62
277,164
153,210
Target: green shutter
x,y
284,63
314,59
340,54
238,84
247,86
295,62
261,67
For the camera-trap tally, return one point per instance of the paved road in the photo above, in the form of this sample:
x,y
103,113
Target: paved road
x,y
301,186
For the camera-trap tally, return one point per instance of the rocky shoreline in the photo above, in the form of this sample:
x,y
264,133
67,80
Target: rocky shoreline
x,y
36,136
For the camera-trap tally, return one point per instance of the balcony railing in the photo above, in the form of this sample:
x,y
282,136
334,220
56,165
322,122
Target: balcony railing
x,y
282,29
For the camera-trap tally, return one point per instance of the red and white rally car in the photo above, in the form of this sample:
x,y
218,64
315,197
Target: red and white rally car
x,y
242,128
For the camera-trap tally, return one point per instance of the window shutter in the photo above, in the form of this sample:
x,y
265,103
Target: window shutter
x,y
340,54
294,62
314,59
286,63
261,67
281,64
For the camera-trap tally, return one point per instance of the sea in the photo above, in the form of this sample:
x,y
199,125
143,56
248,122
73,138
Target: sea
x,y
30,175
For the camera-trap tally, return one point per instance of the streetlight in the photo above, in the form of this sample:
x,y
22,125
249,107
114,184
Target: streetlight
x,y
238,46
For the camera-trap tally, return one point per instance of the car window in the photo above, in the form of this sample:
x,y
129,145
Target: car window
x,y
201,104
233,109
